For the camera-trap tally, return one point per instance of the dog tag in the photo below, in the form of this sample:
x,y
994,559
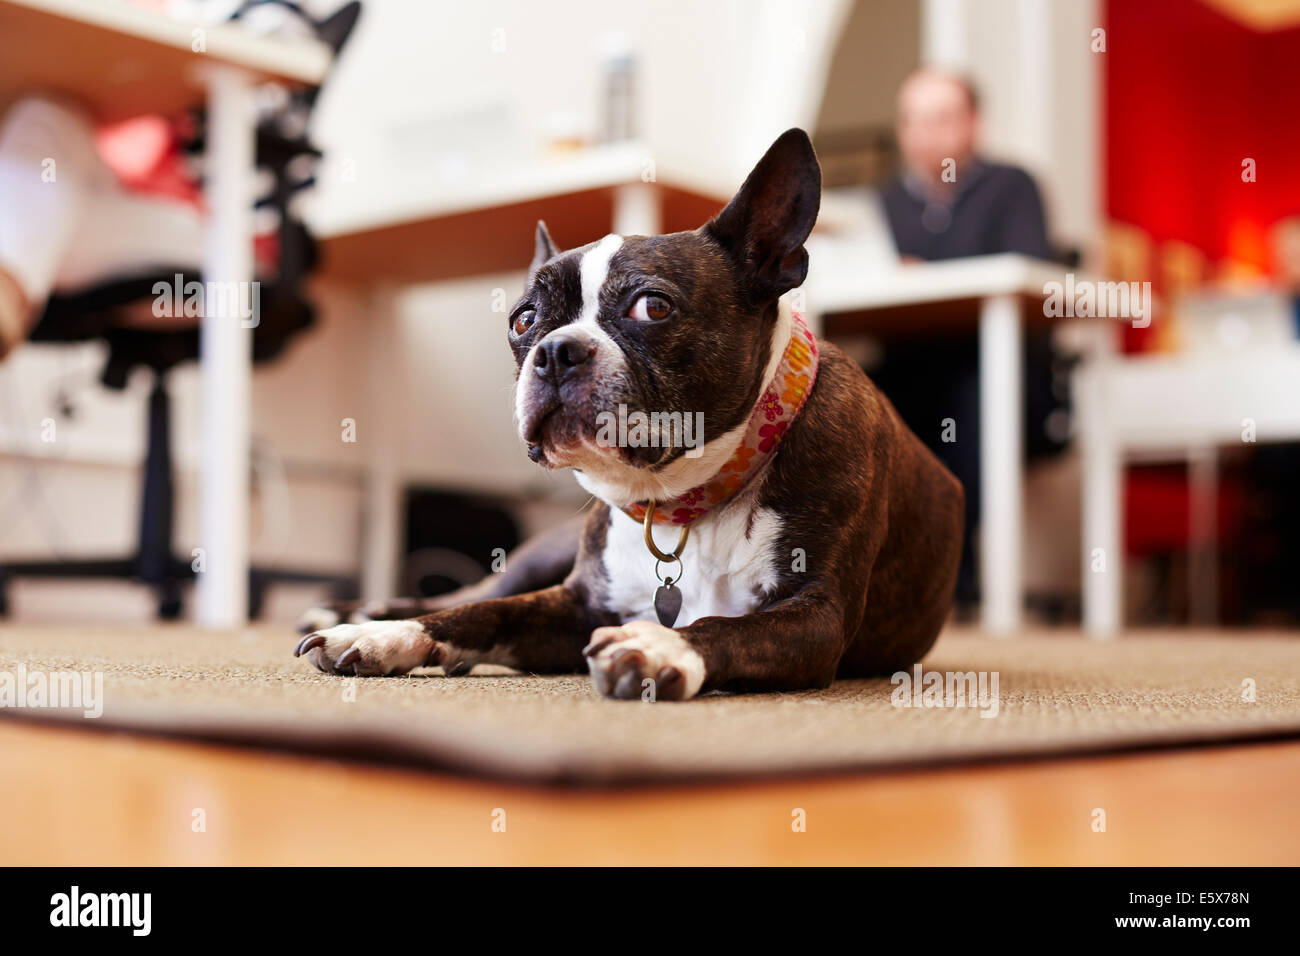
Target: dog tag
x,y
668,602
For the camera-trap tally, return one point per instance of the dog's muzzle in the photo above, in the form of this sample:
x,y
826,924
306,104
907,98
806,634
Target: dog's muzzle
x,y
559,386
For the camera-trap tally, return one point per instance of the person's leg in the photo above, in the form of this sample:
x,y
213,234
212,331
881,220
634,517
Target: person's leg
x,y
48,165
930,383
68,224
963,459
903,374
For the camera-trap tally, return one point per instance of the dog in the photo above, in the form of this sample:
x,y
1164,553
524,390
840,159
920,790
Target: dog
x,y
812,534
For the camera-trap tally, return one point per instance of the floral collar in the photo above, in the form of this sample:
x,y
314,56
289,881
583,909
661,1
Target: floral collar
x,y
778,406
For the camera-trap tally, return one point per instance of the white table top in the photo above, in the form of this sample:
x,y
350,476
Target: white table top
x,y
594,168
843,290
123,60
1166,402
436,230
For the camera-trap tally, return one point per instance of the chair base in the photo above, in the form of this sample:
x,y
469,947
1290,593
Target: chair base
x,y
168,587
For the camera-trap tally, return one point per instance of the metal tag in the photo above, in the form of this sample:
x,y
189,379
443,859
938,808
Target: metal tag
x,y
668,602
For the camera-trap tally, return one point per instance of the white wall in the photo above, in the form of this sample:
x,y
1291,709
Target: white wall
x,y
717,82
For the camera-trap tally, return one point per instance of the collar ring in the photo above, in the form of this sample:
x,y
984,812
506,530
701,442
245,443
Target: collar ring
x,y
674,555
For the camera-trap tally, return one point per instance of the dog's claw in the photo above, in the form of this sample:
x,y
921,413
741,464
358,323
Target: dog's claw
x,y
635,657
307,643
626,664
595,647
350,656
629,685
668,683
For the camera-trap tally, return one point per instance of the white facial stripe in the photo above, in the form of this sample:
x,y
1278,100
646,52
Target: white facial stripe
x,y
525,376
594,270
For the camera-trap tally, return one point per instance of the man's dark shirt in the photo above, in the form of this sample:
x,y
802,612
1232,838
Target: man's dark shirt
x,y
995,209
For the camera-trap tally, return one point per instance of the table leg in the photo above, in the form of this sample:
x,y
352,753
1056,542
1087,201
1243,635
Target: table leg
x,y
382,504
1203,532
638,210
1101,542
1001,463
226,354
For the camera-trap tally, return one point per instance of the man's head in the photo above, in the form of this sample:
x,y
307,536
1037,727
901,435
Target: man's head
x,y
938,119
681,323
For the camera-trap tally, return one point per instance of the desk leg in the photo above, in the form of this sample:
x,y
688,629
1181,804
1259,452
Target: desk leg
x,y
382,506
1102,545
226,356
638,210
382,546
1001,463
1203,532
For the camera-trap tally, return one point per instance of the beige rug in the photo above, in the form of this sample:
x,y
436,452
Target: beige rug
x,y
1057,693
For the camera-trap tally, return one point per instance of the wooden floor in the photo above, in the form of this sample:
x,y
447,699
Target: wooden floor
x,y
75,797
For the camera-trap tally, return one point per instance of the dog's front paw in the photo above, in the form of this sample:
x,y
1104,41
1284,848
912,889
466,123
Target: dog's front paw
x,y
376,649
622,658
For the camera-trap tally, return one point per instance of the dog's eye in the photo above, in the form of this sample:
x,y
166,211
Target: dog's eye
x,y
650,307
524,321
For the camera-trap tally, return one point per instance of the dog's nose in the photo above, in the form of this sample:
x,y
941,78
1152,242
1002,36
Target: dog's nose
x,y
562,354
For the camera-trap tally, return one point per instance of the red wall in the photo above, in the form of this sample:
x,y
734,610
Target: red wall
x,y
1190,94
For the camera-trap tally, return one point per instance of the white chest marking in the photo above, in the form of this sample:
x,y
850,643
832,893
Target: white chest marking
x,y
724,571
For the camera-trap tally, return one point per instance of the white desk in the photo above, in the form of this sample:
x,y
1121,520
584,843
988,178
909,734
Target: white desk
x,y
122,61
1002,293
1168,406
432,231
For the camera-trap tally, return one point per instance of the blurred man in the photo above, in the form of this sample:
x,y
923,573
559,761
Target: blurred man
x,y
949,202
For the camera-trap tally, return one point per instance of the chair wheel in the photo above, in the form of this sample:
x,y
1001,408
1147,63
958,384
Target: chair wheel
x,y
169,608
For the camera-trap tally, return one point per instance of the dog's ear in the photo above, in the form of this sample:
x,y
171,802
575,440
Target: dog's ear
x,y
543,249
764,227
335,29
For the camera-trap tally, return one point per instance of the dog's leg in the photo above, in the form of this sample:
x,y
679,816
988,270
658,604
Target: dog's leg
x,y
543,560
542,631
793,645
